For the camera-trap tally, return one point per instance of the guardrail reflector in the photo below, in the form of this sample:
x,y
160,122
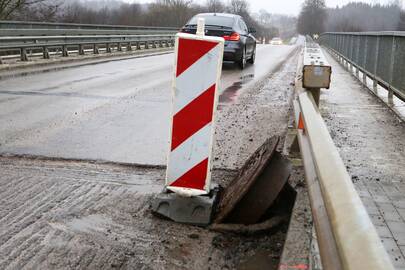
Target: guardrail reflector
x,y
198,65
301,122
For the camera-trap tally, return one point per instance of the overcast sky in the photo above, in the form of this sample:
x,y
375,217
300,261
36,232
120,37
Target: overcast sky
x,y
291,7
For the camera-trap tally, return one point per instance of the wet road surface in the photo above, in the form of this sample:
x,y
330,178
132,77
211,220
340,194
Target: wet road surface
x,y
60,214
117,111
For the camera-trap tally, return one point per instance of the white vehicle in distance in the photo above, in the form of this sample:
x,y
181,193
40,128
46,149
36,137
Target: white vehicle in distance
x,y
276,41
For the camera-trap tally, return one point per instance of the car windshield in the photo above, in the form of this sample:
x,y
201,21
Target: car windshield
x,y
213,20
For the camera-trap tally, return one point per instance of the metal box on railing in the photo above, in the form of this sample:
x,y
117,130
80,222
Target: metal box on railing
x,y
316,70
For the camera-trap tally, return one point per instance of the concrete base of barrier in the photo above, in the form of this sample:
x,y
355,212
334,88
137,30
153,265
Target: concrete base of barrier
x,y
198,210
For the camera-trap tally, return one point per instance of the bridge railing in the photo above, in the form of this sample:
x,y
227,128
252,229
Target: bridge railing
x,y
17,28
35,38
378,55
76,32
66,43
51,25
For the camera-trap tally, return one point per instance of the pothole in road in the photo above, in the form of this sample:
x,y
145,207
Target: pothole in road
x,y
259,197
258,204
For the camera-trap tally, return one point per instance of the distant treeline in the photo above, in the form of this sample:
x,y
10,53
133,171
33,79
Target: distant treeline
x,y
172,13
316,18
358,17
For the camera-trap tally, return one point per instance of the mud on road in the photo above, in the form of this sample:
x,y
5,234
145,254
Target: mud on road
x,y
59,214
247,117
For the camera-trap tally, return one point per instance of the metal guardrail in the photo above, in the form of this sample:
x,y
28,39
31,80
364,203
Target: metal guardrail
x,y
346,236
17,28
378,55
44,43
50,25
76,32
16,36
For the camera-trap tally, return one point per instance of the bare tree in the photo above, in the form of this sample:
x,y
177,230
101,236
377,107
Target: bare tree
x,y
170,12
173,13
312,17
46,10
240,7
286,25
215,6
8,7
264,17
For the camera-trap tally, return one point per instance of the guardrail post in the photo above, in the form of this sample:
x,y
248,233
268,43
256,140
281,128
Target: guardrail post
x,y
351,53
316,71
358,55
338,43
365,61
343,51
1,61
23,54
160,44
129,46
146,45
391,73
95,49
138,45
334,41
65,52
45,52
81,49
119,47
108,48
344,46
316,94
154,44
377,56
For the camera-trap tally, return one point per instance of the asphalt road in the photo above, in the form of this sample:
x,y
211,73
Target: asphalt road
x,y
60,214
117,111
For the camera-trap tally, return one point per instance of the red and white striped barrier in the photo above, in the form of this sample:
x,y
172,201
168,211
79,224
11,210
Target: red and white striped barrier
x,y
197,74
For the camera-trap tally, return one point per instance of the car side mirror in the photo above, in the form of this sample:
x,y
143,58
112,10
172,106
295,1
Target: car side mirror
x,y
252,30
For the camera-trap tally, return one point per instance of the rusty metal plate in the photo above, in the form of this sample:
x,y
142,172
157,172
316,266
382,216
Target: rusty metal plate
x,y
263,192
245,178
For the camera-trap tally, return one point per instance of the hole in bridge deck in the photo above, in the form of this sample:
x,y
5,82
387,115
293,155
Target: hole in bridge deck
x,y
258,203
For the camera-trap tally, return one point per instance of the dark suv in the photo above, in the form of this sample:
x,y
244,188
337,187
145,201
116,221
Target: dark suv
x,y
240,45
